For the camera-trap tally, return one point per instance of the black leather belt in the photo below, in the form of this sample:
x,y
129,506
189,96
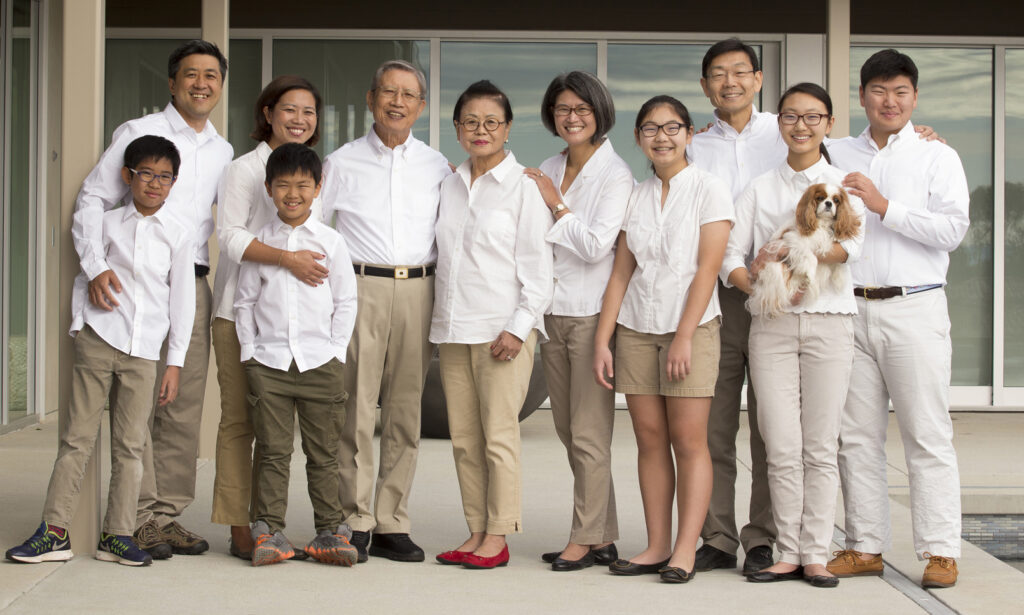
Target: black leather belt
x,y
202,271
888,292
397,273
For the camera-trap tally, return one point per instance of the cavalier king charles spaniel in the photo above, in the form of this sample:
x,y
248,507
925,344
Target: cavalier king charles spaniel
x,y
823,216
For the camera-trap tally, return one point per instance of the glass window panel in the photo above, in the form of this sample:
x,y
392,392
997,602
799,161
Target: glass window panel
x,y
523,71
245,80
636,72
1013,372
955,98
136,88
343,71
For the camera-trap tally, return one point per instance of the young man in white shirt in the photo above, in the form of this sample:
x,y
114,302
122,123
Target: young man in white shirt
x,y
196,72
918,201
382,190
293,339
150,253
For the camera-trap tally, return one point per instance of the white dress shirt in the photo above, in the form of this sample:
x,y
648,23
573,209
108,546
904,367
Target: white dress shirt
x,y
280,318
494,268
929,202
584,239
243,207
768,204
152,257
738,157
665,241
385,200
204,156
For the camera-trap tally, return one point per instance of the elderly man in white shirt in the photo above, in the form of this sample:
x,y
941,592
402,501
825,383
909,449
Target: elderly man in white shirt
x,y
918,201
382,191
196,72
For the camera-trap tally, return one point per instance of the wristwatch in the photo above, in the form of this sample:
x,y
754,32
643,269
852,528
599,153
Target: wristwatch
x,y
559,209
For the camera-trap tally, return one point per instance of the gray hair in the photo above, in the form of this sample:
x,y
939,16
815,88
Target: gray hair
x,y
399,65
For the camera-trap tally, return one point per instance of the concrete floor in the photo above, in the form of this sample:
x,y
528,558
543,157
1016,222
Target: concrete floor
x,y
216,582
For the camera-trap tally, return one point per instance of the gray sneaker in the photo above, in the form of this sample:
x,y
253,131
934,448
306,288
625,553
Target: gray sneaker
x,y
269,548
333,547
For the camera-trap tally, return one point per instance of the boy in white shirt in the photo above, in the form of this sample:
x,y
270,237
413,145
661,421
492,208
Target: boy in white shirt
x,y
294,338
151,253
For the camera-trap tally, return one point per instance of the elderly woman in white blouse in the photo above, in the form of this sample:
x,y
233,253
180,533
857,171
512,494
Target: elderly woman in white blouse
x,y
586,188
493,284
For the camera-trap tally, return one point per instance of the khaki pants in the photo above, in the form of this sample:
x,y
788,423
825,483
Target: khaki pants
x,y
232,483
719,529
484,396
318,398
97,366
800,365
387,361
584,415
172,443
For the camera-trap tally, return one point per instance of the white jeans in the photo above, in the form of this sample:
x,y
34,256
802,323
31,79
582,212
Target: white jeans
x,y
902,351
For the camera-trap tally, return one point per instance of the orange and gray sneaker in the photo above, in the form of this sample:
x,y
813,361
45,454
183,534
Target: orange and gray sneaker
x,y
269,548
848,563
940,571
333,547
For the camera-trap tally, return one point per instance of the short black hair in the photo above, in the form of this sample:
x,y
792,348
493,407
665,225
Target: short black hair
x,y
727,46
293,158
152,147
482,89
887,64
193,47
591,90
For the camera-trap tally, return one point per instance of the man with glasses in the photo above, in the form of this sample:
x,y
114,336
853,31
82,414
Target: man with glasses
x,y
383,191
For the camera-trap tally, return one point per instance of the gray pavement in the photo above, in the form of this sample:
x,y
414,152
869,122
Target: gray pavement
x,y
988,444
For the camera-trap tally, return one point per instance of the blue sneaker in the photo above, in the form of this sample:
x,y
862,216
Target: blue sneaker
x,y
121,549
44,546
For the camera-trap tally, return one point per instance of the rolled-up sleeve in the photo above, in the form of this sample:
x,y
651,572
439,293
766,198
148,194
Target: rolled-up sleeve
x,y
235,197
534,265
594,241
741,238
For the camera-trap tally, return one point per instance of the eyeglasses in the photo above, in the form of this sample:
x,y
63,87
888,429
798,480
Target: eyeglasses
x,y
670,128
810,119
409,96
565,110
490,124
149,176
737,75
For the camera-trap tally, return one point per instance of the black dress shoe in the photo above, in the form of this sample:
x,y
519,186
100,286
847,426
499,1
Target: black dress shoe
x,y
567,565
627,568
758,558
549,558
771,577
360,540
710,558
820,580
398,547
606,554
672,574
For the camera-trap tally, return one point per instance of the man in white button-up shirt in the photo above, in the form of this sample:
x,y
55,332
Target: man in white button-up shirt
x,y
382,191
196,72
917,198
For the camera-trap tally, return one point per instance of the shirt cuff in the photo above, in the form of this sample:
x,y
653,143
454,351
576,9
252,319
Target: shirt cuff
x,y
94,267
176,358
895,216
521,323
728,266
555,232
247,351
340,350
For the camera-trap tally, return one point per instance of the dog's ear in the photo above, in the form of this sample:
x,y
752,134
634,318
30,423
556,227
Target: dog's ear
x,y
807,210
846,224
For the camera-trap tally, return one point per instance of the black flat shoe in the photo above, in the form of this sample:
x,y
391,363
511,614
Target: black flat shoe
x,y
567,565
758,558
606,554
710,558
627,568
672,574
549,558
820,580
772,577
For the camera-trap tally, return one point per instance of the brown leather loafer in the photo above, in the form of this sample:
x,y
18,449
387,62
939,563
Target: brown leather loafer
x,y
940,571
848,563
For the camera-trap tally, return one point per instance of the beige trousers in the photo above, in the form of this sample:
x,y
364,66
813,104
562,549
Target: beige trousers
x,y
800,365
169,462
719,529
584,415
232,483
387,361
484,396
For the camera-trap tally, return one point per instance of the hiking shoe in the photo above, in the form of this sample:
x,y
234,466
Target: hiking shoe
x,y
150,540
361,540
48,544
940,571
121,549
182,541
269,548
848,563
397,547
332,548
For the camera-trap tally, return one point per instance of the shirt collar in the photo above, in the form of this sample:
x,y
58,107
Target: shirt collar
x,y
131,212
281,225
499,172
805,178
682,175
378,147
596,163
263,152
178,123
907,134
726,130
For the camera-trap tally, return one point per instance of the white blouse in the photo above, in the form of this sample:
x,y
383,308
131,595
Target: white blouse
x,y
665,242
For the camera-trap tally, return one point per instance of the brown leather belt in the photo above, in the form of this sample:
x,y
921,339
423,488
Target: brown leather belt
x,y
397,273
888,292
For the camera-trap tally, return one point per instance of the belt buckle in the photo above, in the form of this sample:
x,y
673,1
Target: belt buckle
x,y
867,293
401,273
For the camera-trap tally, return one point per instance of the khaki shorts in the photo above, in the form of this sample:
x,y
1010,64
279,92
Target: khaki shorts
x,y
640,362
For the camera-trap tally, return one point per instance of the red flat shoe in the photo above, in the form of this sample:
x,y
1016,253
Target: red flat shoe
x,y
452,558
476,562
